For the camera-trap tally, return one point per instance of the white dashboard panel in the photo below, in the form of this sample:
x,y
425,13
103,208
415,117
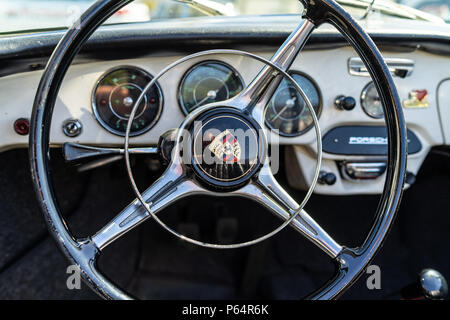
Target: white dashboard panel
x,y
328,68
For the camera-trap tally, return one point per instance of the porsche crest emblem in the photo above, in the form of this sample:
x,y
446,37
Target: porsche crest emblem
x,y
226,147
416,99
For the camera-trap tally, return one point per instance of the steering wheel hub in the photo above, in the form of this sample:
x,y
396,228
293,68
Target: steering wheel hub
x,y
227,147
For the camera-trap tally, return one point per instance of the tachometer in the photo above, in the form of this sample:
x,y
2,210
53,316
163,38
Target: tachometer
x,y
115,96
208,82
287,111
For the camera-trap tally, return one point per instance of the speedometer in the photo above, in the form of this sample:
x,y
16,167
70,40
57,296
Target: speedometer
x,y
115,96
287,111
208,82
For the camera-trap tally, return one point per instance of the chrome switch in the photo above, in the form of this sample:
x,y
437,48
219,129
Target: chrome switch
x,y
359,170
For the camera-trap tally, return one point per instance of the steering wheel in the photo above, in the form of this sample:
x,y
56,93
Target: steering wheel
x,y
189,174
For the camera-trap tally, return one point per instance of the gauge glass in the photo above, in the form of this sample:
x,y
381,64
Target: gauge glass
x,y
288,112
115,96
370,101
208,82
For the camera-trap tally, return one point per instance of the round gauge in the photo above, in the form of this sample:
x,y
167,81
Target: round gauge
x,y
288,112
115,96
208,82
370,101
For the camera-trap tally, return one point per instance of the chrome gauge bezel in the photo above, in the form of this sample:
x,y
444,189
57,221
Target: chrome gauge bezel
x,y
363,97
318,113
192,68
105,125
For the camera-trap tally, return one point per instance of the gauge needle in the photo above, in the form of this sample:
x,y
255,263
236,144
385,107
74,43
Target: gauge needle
x,y
289,104
212,94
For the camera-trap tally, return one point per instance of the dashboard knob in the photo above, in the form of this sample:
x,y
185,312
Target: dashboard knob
x,y
166,144
328,178
430,285
410,178
72,128
433,284
345,103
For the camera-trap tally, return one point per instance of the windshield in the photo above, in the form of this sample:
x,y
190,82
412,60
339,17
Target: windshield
x,y
26,15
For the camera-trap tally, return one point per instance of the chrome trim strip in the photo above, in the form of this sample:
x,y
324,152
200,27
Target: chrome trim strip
x,y
397,67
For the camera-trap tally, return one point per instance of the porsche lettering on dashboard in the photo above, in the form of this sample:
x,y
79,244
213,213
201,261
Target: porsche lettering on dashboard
x,y
368,140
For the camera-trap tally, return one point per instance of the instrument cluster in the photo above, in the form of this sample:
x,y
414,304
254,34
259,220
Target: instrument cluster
x,y
210,81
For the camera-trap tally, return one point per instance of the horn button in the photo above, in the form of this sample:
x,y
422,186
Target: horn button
x,y
226,148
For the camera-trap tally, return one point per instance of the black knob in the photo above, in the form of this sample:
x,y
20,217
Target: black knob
x,y
345,103
166,144
328,178
410,178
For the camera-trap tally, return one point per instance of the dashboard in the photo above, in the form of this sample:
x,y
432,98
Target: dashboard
x,y
99,95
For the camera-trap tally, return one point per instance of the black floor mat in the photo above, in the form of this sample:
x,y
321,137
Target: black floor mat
x,y
150,263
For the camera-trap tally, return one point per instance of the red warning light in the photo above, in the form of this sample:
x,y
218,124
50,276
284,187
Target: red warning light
x,y
22,126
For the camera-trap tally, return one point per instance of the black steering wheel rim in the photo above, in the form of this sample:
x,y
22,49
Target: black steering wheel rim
x,y
350,262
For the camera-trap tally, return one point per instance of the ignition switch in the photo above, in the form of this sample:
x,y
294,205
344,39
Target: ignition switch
x,y
328,178
345,103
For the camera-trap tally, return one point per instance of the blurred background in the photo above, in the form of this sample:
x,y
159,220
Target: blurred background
x,y
23,15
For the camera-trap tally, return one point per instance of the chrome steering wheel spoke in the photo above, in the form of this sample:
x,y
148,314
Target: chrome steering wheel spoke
x,y
258,93
170,187
267,191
